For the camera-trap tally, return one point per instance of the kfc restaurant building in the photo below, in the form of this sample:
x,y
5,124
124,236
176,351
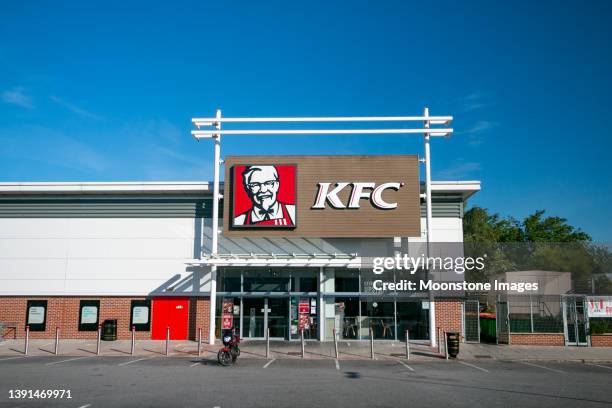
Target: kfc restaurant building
x,y
294,252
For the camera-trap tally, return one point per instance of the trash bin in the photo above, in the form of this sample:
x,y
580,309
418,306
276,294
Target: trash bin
x,y
452,342
109,330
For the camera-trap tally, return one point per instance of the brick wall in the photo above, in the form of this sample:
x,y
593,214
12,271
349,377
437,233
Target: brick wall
x,y
63,312
601,340
199,309
448,315
537,339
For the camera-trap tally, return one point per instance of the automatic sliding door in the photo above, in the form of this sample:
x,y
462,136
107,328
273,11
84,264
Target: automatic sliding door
x,y
254,317
278,317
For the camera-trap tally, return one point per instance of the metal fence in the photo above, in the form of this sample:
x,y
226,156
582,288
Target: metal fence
x,y
535,314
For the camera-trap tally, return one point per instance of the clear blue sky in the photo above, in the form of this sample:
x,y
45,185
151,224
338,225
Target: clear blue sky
x,y
94,92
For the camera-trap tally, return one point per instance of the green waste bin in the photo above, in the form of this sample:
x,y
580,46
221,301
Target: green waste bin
x,y
109,330
452,342
488,329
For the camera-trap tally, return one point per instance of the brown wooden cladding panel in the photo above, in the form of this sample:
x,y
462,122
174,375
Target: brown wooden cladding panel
x,y
366,221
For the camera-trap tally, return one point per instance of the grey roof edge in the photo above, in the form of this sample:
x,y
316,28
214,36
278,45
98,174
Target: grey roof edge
x,y
466,188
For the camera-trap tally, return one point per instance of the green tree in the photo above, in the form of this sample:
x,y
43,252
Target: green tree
x,y
536,242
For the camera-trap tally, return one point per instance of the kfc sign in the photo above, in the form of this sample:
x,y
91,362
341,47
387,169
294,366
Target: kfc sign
x,y
369,191
322,196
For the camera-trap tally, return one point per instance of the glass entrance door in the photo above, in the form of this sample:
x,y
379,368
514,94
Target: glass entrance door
x,y
254,317
261,314
278,317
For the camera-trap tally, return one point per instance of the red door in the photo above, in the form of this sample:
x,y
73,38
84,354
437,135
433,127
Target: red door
x,y
170,312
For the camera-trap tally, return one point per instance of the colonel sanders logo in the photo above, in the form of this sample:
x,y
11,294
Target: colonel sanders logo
x,y
264,196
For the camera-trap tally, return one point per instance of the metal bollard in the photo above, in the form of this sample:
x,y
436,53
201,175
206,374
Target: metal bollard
x,y
302,334
336,343
167,338
57,331
27,340
199,341
445,346
407,345
133,340
371,343
98,341
268,343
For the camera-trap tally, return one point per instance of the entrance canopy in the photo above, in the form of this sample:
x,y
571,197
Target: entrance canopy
x,y
288,260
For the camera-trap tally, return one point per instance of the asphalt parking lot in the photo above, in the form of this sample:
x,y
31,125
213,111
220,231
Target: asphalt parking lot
x,y
195,382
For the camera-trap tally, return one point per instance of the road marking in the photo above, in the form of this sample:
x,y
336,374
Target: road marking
x,y
543,367
337,364
269,362
65,361
599,365
195,364
85,406
133,361
12,358
405,365
473,366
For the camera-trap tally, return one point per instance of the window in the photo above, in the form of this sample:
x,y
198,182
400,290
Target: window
x,y
229,280
36,315
89,315
141,315
346,280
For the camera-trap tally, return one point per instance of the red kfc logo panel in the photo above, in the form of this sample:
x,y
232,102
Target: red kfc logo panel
x,y
264,196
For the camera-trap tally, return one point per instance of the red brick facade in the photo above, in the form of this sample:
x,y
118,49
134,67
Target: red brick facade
x,y
601,340
537,339
63,312
448,315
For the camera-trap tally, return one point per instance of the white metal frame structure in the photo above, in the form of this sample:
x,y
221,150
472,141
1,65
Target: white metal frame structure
x,y
210,128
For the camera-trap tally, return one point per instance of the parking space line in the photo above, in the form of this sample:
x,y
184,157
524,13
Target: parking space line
x,y
85,406
473,366
65,361
337,364
269,362
599,365
133,361
195,364
405,365
12,358
543,367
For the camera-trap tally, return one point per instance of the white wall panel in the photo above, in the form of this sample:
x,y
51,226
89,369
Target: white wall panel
x,y
31,269
95,255
33,248
32,287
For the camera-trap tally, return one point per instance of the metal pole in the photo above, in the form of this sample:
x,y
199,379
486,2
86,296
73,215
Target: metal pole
x,y
98,340
57,330
531,312
133,340
268,343
336,343
199,341
427,137
215,231
407,345
371,343
439,340
27,340
167,338
302,335
445,346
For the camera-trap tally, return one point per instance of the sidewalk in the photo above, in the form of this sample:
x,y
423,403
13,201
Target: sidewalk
x,y
348,350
